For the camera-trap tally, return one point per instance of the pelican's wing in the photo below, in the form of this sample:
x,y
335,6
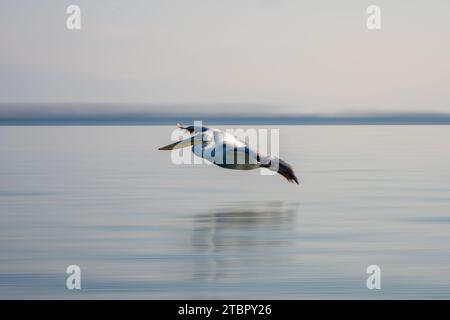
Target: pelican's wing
x,y
233,156
234,150
245,155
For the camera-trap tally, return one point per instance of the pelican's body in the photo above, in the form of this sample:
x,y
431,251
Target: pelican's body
x,y
226,151
215,140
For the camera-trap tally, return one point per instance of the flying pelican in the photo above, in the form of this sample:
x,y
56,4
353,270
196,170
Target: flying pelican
x,y
218,147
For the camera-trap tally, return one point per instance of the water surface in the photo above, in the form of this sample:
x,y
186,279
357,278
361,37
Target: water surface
x,y
139,226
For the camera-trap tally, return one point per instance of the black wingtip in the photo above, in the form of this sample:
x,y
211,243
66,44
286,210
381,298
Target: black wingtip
x,y
286,171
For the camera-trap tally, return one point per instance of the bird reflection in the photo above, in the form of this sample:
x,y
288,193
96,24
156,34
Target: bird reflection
x,y
230,239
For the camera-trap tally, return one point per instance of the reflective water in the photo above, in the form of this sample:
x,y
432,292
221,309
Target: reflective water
x,y
139,226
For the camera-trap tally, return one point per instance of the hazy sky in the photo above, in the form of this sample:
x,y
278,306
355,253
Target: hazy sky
x,y
302,56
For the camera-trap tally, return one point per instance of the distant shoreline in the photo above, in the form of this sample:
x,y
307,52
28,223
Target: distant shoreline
x,y
15,114
310,120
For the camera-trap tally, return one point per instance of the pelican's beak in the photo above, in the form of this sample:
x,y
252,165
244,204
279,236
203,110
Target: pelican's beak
x,y
191,141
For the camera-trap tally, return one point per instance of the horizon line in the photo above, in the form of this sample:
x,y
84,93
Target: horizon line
x,y
29,114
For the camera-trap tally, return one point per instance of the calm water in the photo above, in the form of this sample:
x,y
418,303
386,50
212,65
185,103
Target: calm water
x,y
138,226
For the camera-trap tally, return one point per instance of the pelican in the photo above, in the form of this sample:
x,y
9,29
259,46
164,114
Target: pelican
x,y
217,147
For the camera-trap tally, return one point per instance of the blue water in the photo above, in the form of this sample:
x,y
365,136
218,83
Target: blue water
x,y
139,226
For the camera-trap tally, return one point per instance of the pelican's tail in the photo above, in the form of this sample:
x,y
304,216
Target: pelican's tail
x,y
284,169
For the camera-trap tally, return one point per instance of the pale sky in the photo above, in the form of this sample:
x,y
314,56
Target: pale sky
x,y
300,56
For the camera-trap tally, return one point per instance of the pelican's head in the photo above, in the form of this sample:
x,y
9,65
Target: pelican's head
x,y
195,138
